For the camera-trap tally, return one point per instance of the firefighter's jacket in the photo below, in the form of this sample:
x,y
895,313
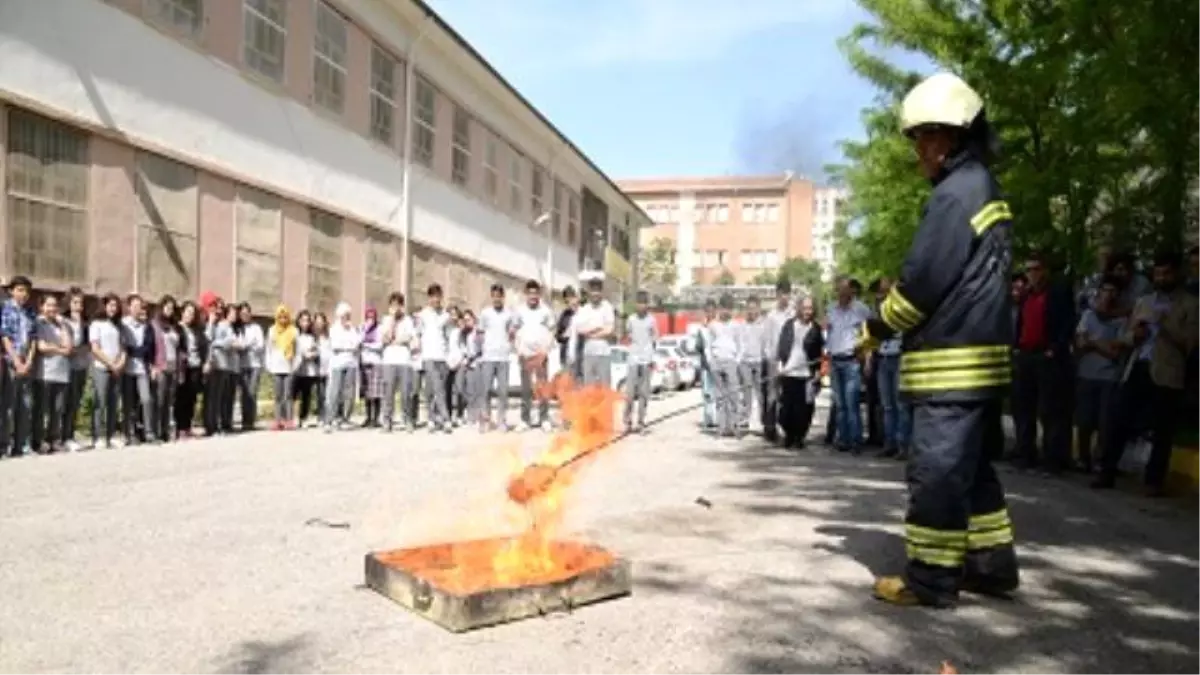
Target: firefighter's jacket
x,y
952,300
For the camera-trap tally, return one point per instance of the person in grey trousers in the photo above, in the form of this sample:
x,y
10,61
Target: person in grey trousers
x,y
81,361
770,384
497,325
108,363
141,349
596,322
433,331
166,327
399,335
470,342
642,330
750,368
724,354
344,343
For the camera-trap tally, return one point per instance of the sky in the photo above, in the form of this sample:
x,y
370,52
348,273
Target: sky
x,y
679,87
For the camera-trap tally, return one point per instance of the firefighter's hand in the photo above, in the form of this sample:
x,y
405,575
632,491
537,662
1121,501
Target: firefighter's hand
x,y
866,342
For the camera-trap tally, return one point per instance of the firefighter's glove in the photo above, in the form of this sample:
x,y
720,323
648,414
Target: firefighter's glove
x,y
866,342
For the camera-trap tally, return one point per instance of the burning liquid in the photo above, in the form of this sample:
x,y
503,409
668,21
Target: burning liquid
x,y
534,556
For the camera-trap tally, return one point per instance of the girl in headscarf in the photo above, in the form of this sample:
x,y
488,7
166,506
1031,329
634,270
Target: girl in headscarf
x,y
344,341
371,369
281,359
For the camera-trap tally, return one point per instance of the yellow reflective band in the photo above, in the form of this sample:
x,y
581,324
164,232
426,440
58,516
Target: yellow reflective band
x,y
1000,537
989,215
989,521
899,313
935,556
927,536
956,357
956,380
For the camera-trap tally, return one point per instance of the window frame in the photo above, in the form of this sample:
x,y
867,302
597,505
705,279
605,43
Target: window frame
x,y
326,59
376,240
253,57
491,168
424,130
317,221
240,249
460,147
145,231
516,181
383,104
165,13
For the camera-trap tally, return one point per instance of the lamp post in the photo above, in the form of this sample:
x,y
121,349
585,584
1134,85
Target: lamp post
x,y
540,223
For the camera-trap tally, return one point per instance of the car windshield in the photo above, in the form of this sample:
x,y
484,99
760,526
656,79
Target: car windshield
x,y
618,356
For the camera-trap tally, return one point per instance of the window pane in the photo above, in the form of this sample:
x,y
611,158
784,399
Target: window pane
x,y
259,279
258,219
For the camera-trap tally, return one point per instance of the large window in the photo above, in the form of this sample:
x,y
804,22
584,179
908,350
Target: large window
x,y
424,122
556,209
572,218
168,214
264,38
258,217
329,59
380,261
460,158
537,195
491,169
47,190
324,261
185,16
383,95
515,196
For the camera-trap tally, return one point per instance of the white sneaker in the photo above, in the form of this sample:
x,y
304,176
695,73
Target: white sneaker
x,y
328,428
73,446
118,443
547,426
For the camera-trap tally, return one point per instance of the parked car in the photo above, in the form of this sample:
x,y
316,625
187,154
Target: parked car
x,y
620,367
667,360
689,369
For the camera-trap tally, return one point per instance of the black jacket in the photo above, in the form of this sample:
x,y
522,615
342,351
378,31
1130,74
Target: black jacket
x,y
814,345
952,300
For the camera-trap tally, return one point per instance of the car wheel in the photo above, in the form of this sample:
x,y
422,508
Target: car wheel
x,y
620,385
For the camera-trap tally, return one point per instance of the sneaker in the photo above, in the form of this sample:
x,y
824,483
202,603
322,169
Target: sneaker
x,y
116,444
449,428
435,428
547,426
328,428
72,446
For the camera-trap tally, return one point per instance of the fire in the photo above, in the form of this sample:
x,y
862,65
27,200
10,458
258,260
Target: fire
x,y
948,669
535,556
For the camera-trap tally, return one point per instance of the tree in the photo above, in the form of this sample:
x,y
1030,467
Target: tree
x,y
804,276
725,278
1095,104
657,265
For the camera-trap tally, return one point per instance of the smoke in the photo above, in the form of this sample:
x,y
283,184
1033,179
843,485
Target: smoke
x,y
802,136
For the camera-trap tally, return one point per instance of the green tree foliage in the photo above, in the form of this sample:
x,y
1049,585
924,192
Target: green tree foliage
x,y
725,278
657,265
1095,102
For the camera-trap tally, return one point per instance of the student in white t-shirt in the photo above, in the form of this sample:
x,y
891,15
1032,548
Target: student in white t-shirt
x,y
433,332
595,322
399,339
534,339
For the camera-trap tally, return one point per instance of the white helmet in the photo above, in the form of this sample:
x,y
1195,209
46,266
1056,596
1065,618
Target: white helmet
x,y
941,99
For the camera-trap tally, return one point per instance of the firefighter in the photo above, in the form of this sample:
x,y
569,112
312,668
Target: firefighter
x,y
952,305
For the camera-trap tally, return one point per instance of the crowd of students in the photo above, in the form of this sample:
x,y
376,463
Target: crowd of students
x,y
154,372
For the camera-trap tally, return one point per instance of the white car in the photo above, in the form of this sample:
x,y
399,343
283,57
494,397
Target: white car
x,y
620,367
667,360
689,368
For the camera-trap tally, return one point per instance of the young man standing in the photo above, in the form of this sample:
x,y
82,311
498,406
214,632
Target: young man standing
x,y
1099,349
703,338
846,319
534,335
595,323
399,336
642,330
17,325
140,372
498,326
55,342
564,334
724,355
770,385
433,329
750,369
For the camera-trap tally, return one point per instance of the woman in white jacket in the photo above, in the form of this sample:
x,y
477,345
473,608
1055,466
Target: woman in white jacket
x,y
345,341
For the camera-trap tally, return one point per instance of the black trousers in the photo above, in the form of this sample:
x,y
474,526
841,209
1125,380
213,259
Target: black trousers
x,y
957,531
191,385
1042,391
1144,405
795,412
220,389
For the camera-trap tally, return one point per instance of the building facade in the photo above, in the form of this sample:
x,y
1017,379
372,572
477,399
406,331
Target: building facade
x,y
308,151
742,226
827,208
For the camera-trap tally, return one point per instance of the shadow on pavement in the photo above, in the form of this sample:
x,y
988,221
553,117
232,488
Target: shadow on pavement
x,y
1109,580
257,657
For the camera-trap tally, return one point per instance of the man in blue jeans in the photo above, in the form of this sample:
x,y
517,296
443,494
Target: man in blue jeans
x,y
845,319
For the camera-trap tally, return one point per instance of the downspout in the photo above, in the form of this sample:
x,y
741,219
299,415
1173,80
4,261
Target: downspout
x,y
410,92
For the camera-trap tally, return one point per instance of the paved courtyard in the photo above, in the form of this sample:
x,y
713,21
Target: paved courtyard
x,y
204,557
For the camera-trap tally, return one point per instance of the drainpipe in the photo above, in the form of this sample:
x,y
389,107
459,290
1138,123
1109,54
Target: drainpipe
x,y
410,92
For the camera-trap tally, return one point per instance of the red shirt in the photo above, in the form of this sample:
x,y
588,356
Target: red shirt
x,y
1033,323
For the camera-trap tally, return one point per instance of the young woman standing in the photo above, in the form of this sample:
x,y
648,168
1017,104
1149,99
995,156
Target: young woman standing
x,y
281,363
81,362
194,354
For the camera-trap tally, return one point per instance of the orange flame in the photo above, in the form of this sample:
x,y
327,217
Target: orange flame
x,y
534,556
948,669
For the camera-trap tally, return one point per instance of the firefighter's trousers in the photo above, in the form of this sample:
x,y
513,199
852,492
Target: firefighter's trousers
x,y
957,531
